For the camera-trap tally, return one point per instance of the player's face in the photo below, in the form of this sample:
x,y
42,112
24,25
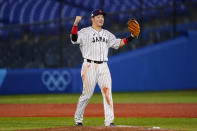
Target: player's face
x,y
98,20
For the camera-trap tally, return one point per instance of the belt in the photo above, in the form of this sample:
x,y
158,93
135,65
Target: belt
x,y
97,62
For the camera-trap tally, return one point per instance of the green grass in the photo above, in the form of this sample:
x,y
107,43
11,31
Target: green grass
x,y
10,123
135,97
15,123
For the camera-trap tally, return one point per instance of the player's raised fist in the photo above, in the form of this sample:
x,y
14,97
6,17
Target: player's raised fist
x,y
77,20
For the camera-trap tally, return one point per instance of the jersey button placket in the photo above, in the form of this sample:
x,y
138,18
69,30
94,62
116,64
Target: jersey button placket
x,y
100,45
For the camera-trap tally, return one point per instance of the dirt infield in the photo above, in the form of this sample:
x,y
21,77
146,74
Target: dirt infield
x,y
96,110
102,128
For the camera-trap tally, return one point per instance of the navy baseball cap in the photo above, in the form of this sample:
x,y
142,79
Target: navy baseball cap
x,y
98,12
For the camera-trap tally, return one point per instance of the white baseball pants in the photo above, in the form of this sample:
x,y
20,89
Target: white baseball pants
x,y
91,74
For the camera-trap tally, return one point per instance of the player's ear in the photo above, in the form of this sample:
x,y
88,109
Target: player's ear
x,y
92,19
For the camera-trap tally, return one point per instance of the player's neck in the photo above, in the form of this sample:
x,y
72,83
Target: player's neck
x,y
97,28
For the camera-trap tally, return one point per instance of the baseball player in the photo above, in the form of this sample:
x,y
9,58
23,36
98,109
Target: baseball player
x,y
94,42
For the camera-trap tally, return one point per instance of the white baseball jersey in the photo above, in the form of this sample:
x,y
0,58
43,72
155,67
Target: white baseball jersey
x,y
94,45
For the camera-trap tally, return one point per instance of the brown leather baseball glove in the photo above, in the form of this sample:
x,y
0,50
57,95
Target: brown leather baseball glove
x,y
133,27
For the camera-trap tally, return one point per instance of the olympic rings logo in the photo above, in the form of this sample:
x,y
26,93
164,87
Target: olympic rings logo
x,y
56,80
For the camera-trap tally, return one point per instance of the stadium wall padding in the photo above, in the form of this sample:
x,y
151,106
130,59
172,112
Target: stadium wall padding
x,y
170,65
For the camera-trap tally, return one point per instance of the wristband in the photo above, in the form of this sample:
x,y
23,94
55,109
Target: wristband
x,y
74,29
128,39
125,41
